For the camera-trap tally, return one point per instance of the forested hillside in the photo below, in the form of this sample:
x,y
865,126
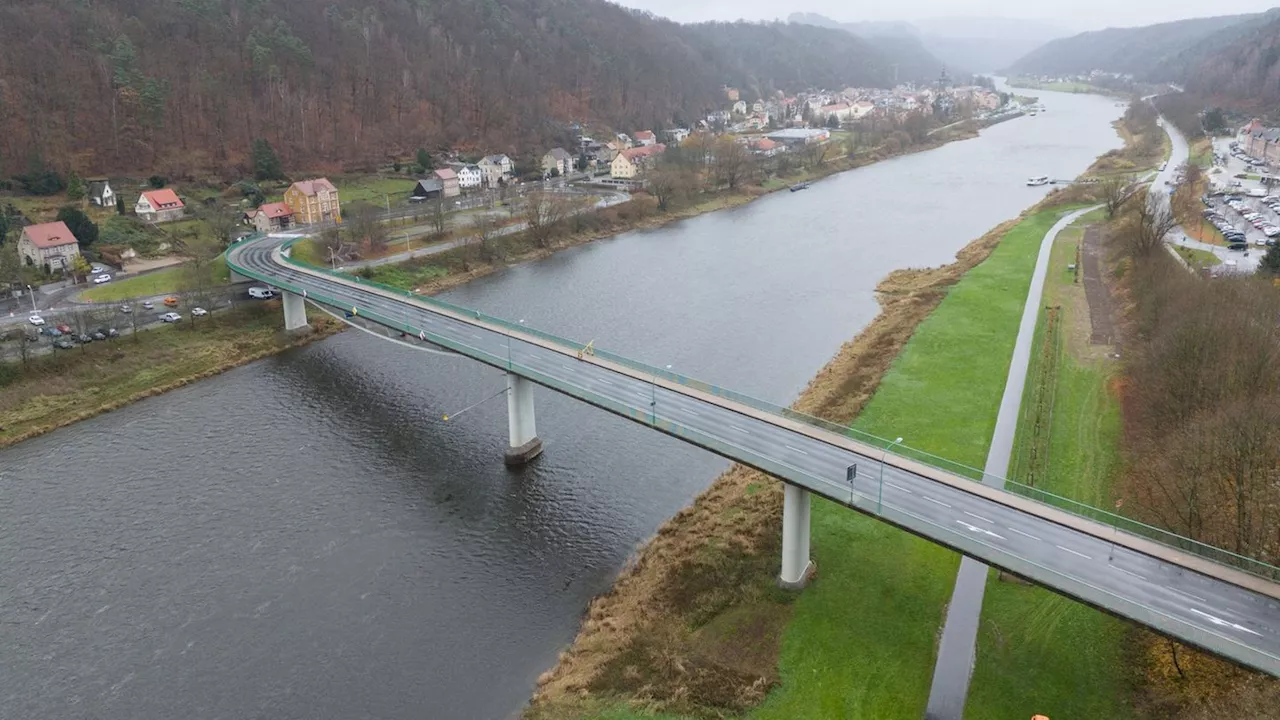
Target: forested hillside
x,y
1239,67
1144,52
180,86
898,42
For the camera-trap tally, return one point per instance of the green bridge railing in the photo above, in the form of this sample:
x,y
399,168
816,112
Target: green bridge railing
x,y
883,445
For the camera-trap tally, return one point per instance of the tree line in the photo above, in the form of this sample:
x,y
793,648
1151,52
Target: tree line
x,y
179,87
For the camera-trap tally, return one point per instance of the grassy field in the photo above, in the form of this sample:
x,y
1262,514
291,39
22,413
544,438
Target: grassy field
x,y
1069,658
168,280
58,389
375,189
1198,258
861,640
1201,151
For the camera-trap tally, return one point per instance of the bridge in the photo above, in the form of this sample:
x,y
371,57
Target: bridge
x,y
1197,594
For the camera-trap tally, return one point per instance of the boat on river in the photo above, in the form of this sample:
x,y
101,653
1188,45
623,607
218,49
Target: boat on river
x,y
800,186
1038,180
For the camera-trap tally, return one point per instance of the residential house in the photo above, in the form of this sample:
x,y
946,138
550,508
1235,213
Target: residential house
x,y
157,206
757,107
496,169
740,107
646,138
101,194
557,161
50,246
731,93
625,139
677,135
862,108
431,188
314,201
1264,145
766,147
632,161
841,111
449,181
270,217
469,176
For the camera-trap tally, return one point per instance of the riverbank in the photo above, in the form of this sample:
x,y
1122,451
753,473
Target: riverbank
x,y
57,390
443,271
695,625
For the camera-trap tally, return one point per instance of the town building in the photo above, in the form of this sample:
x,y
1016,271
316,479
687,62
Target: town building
x,y
631,162
49,246
314,201
469,176
449,181
157,206
496,169
431,188
646,137
557,161
801,136
270,217
101,194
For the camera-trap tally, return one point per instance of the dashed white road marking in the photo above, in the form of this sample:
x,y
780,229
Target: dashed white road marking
x,y
1224,623
1193,597
898,487
979,517
937,502
794,449
605,381
1073,552
478,337
1134,574
1033,537
735,427
693,412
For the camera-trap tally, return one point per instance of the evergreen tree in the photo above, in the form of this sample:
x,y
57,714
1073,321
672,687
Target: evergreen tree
x,y
80,225
424,161
1271,261
4,226
120,205
75,187
266,165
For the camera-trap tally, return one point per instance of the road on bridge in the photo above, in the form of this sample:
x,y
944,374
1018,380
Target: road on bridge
x,y
1220,609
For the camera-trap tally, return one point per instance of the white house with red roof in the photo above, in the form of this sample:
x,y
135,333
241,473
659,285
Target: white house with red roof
x,y
50,246
270,217
646,138
159,206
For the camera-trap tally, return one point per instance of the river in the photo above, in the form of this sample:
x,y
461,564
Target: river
x,y
306,537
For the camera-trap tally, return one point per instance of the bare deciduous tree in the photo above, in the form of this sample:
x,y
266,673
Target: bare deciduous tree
x,y
670,186
543,213
1145,229
733,164
1116,192
364,223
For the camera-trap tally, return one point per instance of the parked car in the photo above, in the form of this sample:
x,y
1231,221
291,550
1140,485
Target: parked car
x,y
148,305
126,308
99,335
170,317
261,293
36,320
84,339
63,344
63,328
98,280
51,332
199,312
171,301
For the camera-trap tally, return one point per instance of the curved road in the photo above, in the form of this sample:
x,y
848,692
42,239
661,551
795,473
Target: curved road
x,y
1217,608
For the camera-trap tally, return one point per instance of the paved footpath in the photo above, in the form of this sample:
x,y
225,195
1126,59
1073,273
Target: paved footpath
x,y
960,632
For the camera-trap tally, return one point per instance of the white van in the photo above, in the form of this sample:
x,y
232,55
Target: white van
x,y
261,293
1257,193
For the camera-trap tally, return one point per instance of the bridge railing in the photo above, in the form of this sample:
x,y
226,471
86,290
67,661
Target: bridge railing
x,y
884,445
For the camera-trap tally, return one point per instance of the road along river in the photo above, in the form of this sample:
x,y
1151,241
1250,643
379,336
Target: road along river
x,y
305,537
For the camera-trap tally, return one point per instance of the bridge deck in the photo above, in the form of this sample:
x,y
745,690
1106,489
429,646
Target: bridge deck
x,y
1220,609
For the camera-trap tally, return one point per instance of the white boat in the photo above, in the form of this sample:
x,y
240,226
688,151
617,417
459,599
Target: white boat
x,y
1032,113
1038,181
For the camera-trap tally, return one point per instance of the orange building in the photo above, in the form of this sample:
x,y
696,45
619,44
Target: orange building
x,y
313,201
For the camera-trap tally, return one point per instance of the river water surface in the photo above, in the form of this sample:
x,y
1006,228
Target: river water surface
x,y
305,537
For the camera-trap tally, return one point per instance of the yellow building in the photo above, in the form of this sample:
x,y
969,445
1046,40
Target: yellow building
x,y
313,201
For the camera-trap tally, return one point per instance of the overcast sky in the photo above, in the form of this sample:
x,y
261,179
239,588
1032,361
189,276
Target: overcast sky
x,y
1076,15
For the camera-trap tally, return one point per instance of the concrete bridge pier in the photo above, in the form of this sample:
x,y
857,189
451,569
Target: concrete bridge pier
x,y
796,565
238,278
295,311
525,444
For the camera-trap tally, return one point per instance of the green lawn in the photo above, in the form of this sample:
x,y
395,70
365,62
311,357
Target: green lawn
x,y
1039,652
375,190
168,280
861,640
1197,258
